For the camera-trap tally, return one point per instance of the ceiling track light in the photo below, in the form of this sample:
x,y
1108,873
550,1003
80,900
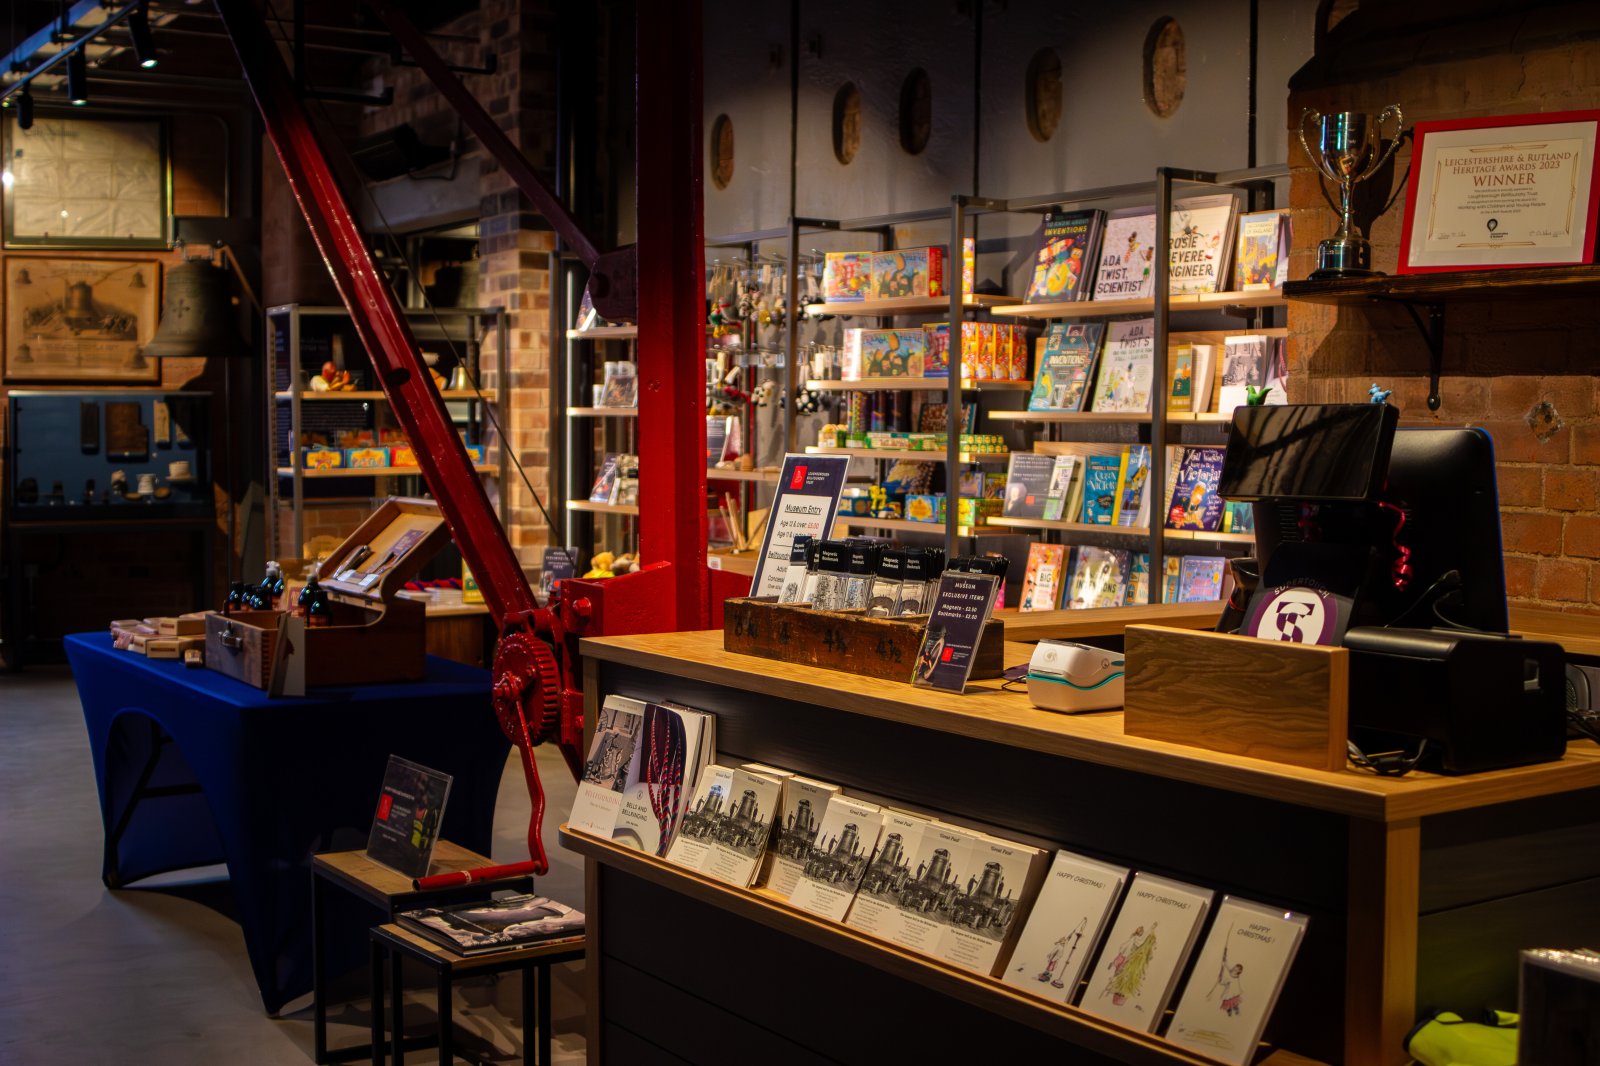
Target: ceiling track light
x,y
144,44
77,79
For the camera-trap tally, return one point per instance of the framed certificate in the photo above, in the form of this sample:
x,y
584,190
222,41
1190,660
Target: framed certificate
x,y
1504,191
77,182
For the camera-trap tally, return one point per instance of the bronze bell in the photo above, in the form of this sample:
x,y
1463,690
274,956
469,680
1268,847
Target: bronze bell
x,y
197,316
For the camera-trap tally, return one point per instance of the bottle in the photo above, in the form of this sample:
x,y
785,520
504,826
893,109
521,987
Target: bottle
x,y
253,599
319,612
235,600
307,594
272,586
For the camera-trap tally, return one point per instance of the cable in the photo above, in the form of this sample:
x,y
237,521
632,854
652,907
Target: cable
x,y
1388,763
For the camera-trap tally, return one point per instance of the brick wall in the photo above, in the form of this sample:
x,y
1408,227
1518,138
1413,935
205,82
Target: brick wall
x,y
1502,356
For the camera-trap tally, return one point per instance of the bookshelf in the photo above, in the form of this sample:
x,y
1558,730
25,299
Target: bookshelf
x,y
602,412
911,456
603,508
905,525
490,469
917,385
1224,302
913,305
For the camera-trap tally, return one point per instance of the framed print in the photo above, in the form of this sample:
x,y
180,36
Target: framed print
x,y
74,182
80,320
1504,191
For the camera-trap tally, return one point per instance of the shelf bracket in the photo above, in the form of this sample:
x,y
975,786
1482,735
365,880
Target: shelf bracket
x,y
1433,335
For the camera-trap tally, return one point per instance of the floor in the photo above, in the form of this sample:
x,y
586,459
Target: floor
x,y
159,975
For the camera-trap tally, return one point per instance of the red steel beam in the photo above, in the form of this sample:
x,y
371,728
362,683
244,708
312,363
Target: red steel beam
x,y
441,455
672,392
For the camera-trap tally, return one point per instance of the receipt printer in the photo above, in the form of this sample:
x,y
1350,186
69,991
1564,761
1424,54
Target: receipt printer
x,y
1481,701
1074,677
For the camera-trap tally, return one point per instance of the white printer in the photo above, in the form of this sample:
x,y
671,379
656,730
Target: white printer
x,y
1074,677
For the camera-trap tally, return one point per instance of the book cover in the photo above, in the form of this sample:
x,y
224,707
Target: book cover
x,y
846,276
1064,927
1028,479
902,272
1236,980
1126,365
1246,362
875,905
667,759
1127,254
1057,497
926,904
726,832
1064,261
605,485
1194,503
1201,242
1041,584
1263,250
1238,516
480,928
691,847
1205,361
621,387
801,814
1101,491
1172,570
1099,578
1200,578
1180,381
986,909
840,855
1144,953
1066,366
1138,580
1133,508
406,824
609,764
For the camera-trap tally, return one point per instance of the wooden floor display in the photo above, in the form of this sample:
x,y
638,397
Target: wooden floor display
x,y
1419,889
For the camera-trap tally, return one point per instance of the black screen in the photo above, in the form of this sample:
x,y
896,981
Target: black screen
x,y
1309,452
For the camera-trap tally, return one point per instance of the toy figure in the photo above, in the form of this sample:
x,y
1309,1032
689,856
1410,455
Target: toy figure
x,y
1256,395
332,379
1379,395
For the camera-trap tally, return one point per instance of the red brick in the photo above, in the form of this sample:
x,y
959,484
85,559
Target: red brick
x,y
1533,533
1510,396
1563,580
1519,576
1464,397
1582,536
1514,442
1586,444
1573,396
1520,486
1566,489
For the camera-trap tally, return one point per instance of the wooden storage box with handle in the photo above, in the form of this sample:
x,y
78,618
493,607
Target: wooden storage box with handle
x,y
375,636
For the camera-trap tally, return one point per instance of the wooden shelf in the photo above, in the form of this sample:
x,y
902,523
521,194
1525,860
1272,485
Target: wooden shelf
x,y
488,395
604,333
1201,301
371,471
1452,286
602,508
1078,1028
1092,418
1221,538
1104,621
733,562
1071,527
908,526
769,477
602,412
917,385
984,712
909,305
915,457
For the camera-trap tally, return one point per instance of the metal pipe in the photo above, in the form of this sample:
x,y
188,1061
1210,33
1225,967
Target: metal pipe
x,y
77,45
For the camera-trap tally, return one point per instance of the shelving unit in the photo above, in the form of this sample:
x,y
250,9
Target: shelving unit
x,y
602,412
604,333
1137,532
905,525
603,508
1225,302
913,305
911,456
916,385
766,477
456,332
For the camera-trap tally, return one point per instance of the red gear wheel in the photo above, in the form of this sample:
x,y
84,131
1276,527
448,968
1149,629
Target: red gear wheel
x,y
527,704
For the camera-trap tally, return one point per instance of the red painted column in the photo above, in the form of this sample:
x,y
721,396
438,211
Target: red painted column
x,y
672,400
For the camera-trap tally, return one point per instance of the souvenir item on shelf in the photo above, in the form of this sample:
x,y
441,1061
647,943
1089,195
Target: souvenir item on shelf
x,y
1154,932
846,277
908,272
607,767
672,744
332,379
1099,577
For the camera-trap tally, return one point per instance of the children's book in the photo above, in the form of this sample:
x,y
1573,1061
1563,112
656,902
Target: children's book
x,y
1063,479
1123,383
1236,980
1200,578
1189,378
611,761
1249,362
621,385
1066,366
1138,580
1028,480
1173,570
1201,243
1099,578
1102,489
845,843
605,485
1262,261
1064,927
1133,508
1194,503
985,909
1041,585
667,759
1064,262
1154,932
1238,516
799,818
891,869
1127,255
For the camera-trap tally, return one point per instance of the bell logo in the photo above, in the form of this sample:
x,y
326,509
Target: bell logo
x,y
1296,616
799,479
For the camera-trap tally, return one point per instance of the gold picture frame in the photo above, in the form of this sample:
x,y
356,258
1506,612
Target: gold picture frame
x,y
73,320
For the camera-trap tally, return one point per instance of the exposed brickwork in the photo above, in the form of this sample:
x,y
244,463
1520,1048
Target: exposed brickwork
x,y
1502,356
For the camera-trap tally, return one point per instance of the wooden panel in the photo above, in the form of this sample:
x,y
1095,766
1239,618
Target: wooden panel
x,y
460,638
376,883
1551,281
848,641
1578,634
369,646
241,645
1556,840
1380,941
1288,703
624,1047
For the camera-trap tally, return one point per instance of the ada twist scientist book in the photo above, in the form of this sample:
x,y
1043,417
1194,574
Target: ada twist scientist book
x,y
1134,975
1236,980
1065,927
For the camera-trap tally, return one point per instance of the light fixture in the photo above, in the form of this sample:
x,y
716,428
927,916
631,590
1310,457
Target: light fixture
x,y
77,80
25,110
144,45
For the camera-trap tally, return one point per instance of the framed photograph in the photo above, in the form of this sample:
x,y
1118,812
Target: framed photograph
x,y
74,182
1504,191
80,320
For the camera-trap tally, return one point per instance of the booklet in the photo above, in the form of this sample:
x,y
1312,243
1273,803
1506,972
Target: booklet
x,y
1064,927
410,808
484,927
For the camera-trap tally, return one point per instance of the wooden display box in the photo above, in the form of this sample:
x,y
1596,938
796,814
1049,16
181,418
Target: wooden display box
x,y
850,641
1286,703
375,636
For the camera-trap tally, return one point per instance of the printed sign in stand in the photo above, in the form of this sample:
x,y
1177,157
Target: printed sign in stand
x,y
806,504
960,611
410,810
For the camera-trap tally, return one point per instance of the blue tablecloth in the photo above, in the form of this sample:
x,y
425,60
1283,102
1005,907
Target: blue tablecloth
x,y
195,768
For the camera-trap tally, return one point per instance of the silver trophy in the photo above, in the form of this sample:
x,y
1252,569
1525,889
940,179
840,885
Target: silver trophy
x,y
1349,150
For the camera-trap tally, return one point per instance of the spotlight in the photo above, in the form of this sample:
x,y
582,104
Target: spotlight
x,y
25,109
77,80
144,45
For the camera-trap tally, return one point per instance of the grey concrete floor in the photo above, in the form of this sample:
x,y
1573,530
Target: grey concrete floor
x,y
138,976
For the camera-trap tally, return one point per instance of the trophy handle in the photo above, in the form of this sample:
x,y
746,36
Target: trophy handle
x,y
1394,142
1315,157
